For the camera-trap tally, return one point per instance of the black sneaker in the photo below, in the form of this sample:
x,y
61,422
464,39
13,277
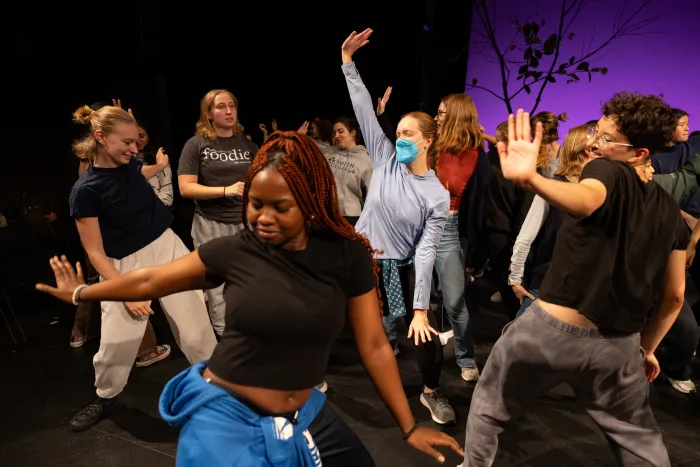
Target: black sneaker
x,y
93,414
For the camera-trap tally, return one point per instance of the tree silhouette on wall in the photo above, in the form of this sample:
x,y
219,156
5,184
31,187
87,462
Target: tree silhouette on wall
x,y
533,56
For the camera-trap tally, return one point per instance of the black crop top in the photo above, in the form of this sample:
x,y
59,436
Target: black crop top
x,y
284,308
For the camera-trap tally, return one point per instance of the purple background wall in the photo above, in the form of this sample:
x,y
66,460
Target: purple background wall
x,y
665,61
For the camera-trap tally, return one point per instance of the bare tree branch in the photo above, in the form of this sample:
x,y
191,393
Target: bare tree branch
x,y
476,86
562,18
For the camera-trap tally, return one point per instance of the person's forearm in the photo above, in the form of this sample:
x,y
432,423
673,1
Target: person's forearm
x,y
424,280
103,265
661,321
150,171
490,139
134,286
197,191
380,362
574,198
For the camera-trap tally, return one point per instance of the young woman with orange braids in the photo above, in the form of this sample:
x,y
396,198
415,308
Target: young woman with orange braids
x,y
254,402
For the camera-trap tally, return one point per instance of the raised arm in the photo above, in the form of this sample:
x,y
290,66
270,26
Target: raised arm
x,y
528,232
519,163
379,147
150,171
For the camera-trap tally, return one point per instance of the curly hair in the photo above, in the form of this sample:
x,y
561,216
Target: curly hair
x,y
310,179
646,120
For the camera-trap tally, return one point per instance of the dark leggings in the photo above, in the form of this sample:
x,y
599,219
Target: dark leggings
x,y
430,353
338,445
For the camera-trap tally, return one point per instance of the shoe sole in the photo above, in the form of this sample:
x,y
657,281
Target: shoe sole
x,y
153,360
323,388
435,419
76,344
473,380
679,388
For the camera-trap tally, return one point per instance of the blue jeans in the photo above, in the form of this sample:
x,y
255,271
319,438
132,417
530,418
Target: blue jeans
x,y
527,301
449,264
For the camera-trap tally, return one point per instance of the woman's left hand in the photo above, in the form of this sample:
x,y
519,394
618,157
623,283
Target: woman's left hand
x,y
420,327
67,280
424,439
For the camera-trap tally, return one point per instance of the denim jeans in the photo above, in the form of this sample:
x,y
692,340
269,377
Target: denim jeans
x,y
527,301
449,264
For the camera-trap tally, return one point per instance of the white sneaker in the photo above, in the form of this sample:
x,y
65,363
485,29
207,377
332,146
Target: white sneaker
x,y
686,387
323,387
471,374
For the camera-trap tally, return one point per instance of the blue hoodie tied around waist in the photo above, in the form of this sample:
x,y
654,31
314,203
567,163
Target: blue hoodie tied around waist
x,y
216,429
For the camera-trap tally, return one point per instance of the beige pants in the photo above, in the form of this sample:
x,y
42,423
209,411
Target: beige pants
x,y
122,332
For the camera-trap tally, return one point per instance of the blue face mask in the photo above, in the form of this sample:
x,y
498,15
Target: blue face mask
x,y
407,151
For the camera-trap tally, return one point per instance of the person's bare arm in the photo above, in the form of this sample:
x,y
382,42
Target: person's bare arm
x,y
190,188
379,360
91,237
143,284
672,297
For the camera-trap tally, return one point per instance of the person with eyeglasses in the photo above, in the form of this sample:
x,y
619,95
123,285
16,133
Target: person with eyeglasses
x,y
620,250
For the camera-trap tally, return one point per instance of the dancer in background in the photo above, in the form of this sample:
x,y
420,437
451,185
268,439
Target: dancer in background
x,y
462,167
404,218
213,165
123,226
620,250
291,277
162,182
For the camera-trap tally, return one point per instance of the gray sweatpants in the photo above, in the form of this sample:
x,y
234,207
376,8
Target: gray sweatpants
x,y
538,352
204,230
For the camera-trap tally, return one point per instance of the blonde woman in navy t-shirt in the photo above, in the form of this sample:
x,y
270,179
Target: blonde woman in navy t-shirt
x,y
213,165
123,226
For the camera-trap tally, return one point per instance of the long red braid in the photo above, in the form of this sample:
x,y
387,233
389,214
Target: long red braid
x,y
311,182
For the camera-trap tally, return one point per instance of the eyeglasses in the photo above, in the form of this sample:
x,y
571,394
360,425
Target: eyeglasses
x,y
594,136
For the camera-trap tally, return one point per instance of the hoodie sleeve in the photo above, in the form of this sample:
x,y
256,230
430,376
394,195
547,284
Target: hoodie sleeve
x,y
378,145
426,250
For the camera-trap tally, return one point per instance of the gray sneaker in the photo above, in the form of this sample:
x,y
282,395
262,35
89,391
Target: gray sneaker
x,y
440,408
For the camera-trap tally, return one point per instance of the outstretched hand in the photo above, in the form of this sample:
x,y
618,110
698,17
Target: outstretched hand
x,y
519,157
424,439
67,279
381,104
354,42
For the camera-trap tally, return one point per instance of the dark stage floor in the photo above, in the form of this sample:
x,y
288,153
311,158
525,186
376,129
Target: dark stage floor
x,y
46,382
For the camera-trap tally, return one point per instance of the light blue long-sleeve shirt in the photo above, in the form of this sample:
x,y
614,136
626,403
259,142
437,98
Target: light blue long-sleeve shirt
x,y
404,214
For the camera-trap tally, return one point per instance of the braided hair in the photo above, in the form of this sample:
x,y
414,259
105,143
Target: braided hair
x,y
311,181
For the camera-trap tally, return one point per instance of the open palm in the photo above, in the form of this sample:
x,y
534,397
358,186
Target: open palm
x,y
519,157
354,42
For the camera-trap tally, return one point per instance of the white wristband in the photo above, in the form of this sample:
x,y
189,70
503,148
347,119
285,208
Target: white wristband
x,y
75,293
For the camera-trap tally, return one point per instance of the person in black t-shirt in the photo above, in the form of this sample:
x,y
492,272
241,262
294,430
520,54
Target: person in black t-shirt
x,y
123,225
291,276
620,250
212,167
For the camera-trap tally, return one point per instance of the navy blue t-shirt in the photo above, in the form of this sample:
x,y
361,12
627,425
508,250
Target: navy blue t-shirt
x,y
130,214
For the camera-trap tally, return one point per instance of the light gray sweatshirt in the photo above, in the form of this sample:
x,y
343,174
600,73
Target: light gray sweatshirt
x,y
352,170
